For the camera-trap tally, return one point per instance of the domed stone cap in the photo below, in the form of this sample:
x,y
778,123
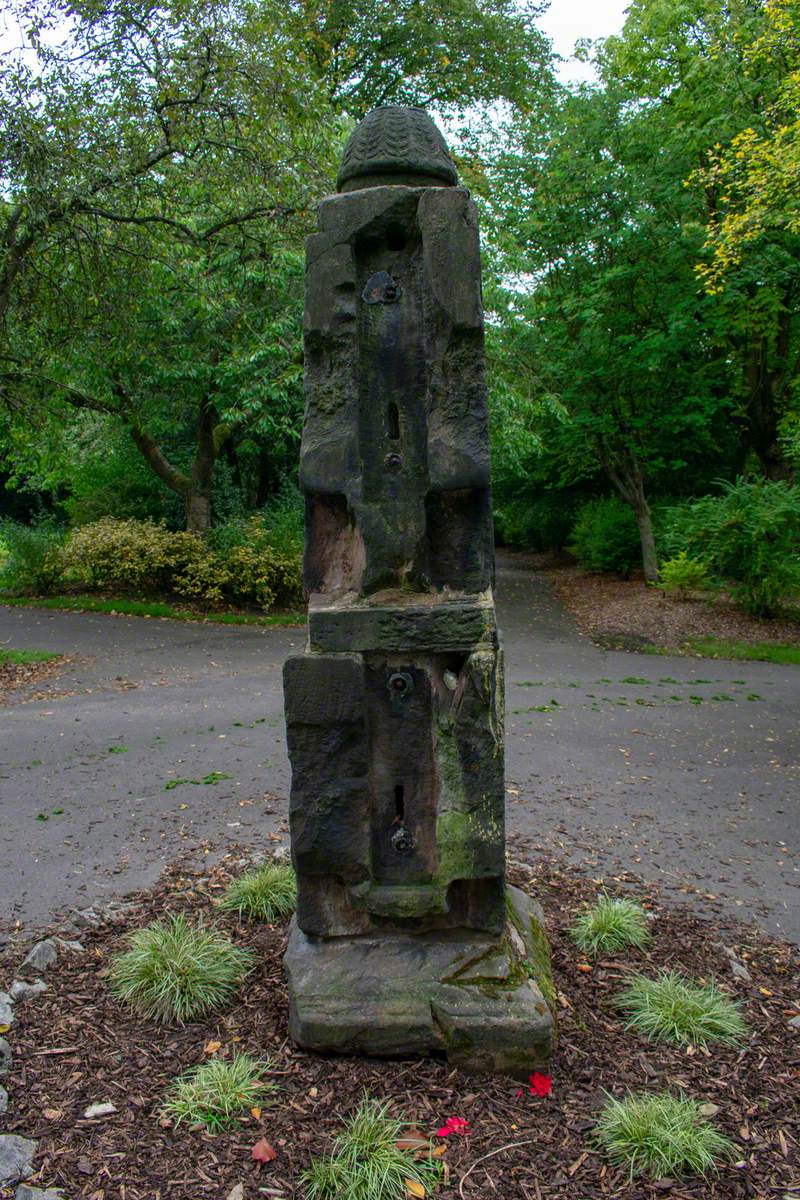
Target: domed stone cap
x,y
396,145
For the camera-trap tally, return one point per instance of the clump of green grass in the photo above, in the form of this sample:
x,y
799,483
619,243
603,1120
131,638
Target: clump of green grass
x,y
177,971
25,657
661,1135
610,925
673,1008
264,894
365,1162
217,1092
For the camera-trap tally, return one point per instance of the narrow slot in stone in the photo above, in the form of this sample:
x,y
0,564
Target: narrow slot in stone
x,y
399,802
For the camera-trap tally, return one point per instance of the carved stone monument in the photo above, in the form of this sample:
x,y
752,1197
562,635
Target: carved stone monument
x,y
406,937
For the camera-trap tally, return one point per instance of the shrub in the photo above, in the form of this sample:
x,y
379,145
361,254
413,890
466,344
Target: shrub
x,y
683,574
265,894
29,557
234,565
176,971
605,537
216,1092
672,1008
611,925
541,524
661,1135
749,537
366,1162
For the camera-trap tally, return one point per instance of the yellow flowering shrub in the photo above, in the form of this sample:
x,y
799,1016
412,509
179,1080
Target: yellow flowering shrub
x,y
242,568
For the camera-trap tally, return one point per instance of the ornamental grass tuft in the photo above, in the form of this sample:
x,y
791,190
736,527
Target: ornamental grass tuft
x,y
217,1092
264,894
610,925
174,970
672,1008
661,1135
366,1162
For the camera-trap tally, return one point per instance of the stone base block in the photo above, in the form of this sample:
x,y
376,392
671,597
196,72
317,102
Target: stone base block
x,y
484,1001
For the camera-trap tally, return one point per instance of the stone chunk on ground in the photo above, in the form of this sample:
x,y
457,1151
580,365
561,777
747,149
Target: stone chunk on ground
x,y
24,1192
5,1057
16,1157
21,991
41,956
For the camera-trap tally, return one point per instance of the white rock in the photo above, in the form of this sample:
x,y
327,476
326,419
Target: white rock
x,y
6,1009
25,991
236,1193
42,956
16,1157
3,1101
795,1023
5,1056
99,1110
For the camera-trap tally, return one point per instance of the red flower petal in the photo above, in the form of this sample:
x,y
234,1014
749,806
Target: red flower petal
x,y
541,1084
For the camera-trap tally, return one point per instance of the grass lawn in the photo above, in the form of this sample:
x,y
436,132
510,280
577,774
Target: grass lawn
x,y
22,658
150,608
775,652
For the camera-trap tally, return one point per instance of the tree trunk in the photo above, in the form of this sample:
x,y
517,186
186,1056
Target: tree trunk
x,y
645,522
769,373
195,489
198,511
625,472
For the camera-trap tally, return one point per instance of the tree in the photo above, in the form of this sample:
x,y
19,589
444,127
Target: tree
x,y
162,166
606,239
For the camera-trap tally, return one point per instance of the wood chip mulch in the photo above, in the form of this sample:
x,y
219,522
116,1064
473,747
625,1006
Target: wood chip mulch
x,y
627,614
74,1046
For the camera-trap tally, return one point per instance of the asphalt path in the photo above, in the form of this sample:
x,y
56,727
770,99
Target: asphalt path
x,y
162,738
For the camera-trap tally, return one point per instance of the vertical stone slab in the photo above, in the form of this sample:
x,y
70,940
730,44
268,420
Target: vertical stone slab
x,y
395,711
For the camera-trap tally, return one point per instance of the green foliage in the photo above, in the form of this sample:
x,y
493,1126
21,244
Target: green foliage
x,y
217,1092
610,925
661,1135
671,1008
749,537
265,894
238,565
366,1164
605,537
174,970
23,657
751,651
29,557
540,524
682,574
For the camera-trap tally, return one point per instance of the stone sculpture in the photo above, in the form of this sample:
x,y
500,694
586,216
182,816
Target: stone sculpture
x,y
406,938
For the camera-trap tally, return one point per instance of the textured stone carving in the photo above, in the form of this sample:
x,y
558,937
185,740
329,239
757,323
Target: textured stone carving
x,y
395,143
395,711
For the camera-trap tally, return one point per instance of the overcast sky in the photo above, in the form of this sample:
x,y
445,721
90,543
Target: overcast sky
x,y
567,20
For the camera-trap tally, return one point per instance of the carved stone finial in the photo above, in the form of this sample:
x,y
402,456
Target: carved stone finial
x,y
396,145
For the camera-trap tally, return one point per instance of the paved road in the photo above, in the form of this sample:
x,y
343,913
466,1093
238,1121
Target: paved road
x,y
169,738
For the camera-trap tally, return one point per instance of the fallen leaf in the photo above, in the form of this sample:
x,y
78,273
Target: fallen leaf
x,y
413,1188
52,1114
256,1112
766,992
262,1151
439,1150
413,1141
585,967
212,1047
709,1110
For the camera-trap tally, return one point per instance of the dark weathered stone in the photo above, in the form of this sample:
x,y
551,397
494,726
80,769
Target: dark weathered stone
x,y
394,713
395,143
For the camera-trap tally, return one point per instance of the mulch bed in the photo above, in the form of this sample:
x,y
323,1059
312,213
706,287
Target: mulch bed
x,y
627,614
17,675
74,1046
